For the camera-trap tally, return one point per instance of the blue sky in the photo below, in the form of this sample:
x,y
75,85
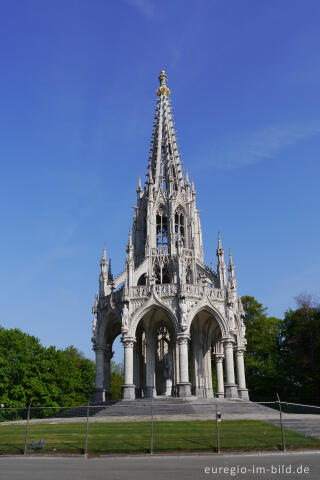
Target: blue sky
x,y
77,92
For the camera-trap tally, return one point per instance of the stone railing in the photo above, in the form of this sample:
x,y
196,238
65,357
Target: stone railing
x,y
172,290
140,291
163,290
166,289
160,250
201,290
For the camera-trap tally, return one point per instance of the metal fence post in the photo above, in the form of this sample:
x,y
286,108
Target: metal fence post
x,y
27,432
217,427
151,435
281,424
86,439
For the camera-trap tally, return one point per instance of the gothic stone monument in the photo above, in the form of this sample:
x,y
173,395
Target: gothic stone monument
x,y
177,317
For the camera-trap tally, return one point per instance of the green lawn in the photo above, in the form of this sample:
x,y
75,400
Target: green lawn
x,y
236,435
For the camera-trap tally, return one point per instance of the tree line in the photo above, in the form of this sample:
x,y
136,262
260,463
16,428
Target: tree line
x,y
33,374
283,356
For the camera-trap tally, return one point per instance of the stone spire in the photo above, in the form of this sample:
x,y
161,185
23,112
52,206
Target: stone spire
x,y
165,162
232,278
222,271
139,188
130,260
104,261
193,189
167,206
103,278
187,183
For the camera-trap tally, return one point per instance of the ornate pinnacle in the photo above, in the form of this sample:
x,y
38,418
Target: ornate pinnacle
x,y
150,179
219,241
96,302
187,179
163,89
103,261
230,257
231,266
139,188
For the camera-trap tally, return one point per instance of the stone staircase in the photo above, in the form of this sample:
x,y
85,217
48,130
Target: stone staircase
x,y
168,406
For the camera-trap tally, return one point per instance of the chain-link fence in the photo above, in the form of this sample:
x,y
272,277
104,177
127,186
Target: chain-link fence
x,y
159,426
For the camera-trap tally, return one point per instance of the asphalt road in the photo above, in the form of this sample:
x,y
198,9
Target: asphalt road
x,y
273,466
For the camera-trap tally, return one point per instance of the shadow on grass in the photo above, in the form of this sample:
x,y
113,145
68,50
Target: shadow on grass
x,y
8,448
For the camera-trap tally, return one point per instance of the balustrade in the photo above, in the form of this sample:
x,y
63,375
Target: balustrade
x,y
171,289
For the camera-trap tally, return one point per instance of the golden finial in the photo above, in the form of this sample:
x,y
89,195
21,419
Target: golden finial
x,y
163,89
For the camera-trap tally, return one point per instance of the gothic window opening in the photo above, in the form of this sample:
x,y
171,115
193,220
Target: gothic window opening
x,y
162,231
179,225
163,341
161,272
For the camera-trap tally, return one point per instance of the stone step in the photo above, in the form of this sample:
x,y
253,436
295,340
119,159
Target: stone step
x,y
176,406
167,406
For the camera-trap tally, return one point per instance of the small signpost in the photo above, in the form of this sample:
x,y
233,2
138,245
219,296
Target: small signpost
x,y
218,420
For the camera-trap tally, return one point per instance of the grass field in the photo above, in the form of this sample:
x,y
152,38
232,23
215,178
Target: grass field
x,y
134,437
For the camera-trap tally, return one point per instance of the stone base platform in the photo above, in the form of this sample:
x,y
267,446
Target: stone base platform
x,y
171,406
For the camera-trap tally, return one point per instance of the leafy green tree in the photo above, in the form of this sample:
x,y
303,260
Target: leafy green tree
x,y
32,373
117,379
263,359
301,349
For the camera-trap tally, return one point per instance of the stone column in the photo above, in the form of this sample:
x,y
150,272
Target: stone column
x,y
128,389
177,372
199,366
242,389
219,375
136,368
208,373
230,386
107,375
99,390
184,387
150,367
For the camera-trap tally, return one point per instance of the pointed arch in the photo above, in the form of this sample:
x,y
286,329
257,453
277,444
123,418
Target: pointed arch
x,y
213,311
109,326
152,304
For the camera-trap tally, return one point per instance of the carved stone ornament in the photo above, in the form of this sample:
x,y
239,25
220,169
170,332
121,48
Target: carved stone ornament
x,y
128,342
183,340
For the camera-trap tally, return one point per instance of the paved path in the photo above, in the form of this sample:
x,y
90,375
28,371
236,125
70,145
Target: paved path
x,y
191,467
